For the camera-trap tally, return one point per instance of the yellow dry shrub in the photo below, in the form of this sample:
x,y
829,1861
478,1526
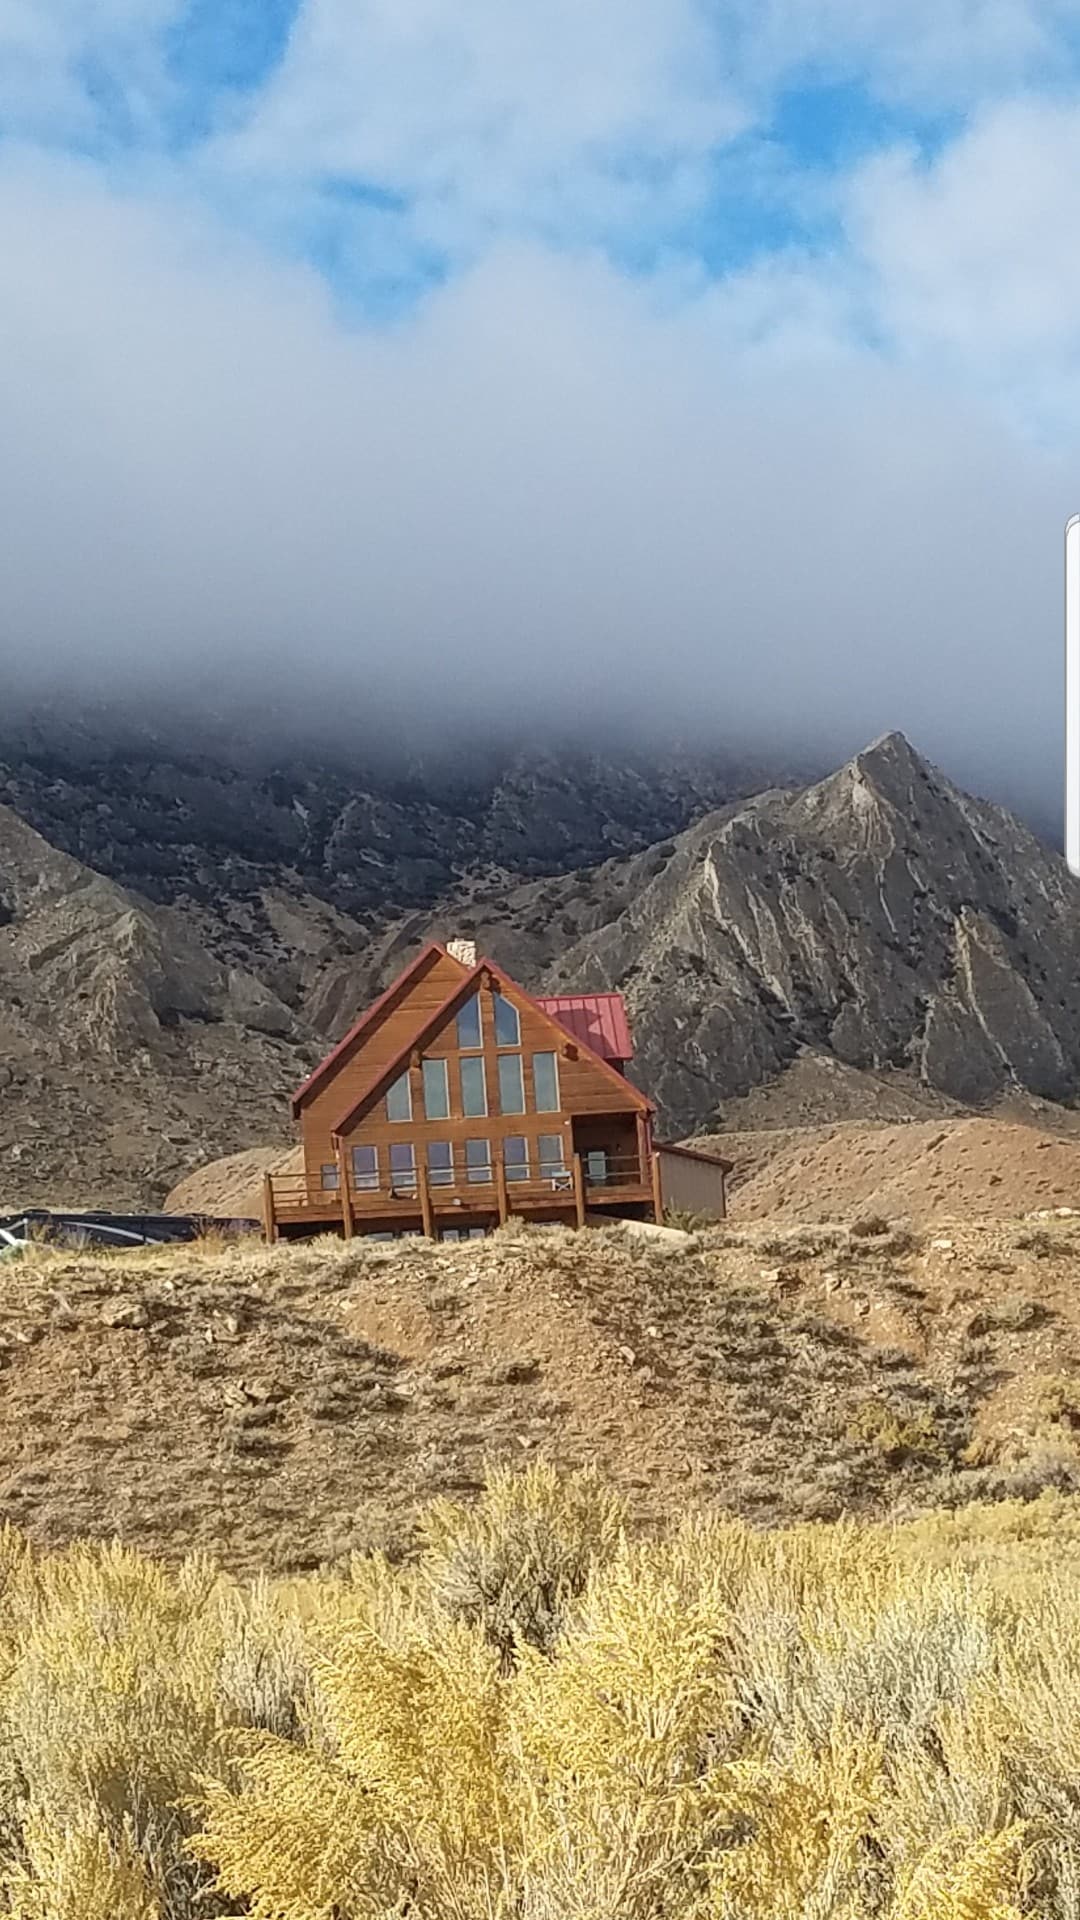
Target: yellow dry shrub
x,y
410,1780
807,1821
79,1870
295,1838
512,1562
109,1713
541,1720
112,1695
637,1687
965,1876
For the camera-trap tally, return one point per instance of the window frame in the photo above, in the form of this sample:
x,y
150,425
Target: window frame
x,y
479,1173
470,1046
397,1183
333,1184
434,1060
470,1060
547,1053
506,1060
548,1165
368,1180
440,1176
400,1119
516,1170
500,1001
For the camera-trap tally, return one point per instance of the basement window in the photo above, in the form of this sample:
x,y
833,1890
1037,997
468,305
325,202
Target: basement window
x,y
399,1099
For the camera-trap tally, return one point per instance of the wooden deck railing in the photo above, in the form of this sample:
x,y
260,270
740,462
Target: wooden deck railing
x,y
500,1188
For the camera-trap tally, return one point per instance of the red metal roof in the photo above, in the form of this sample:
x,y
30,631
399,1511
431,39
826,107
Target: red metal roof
x,y
597,1019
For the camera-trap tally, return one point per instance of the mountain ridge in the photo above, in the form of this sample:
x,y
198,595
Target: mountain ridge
x,y
880,915
878,918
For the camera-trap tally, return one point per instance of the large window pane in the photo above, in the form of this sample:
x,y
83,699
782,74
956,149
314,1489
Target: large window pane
x,y
516,1157
440,1161
507,1024
468,1024
436,1090
473,1088
546,1082
478,1161
365,1167
402,1164
511,1084
399,1099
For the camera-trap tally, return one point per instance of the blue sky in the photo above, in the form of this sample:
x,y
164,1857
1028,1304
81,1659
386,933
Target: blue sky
x,y
577,302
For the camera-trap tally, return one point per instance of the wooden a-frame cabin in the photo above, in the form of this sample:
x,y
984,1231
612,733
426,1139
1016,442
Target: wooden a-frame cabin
x,y
459,1099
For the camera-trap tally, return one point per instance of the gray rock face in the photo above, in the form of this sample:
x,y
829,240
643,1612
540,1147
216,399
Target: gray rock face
x,y
125,1047
881,915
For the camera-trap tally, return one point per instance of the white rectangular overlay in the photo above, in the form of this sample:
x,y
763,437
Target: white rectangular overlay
x,y
1072,693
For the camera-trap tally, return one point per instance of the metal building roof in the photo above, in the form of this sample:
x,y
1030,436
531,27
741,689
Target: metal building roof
x,y
597,1019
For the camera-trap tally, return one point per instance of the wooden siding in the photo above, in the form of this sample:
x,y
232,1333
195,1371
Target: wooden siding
x,y
324,1108
347,1107
584,1089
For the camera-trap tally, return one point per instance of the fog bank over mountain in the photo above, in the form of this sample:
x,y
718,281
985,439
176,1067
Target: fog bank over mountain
x,y
548,504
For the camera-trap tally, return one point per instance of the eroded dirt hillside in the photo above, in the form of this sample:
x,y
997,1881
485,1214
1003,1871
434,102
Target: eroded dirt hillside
x,y
283,1406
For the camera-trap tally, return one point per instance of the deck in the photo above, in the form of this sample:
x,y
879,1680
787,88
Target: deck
x,y
474,1199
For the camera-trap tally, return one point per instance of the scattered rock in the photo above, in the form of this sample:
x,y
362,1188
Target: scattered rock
x,y
125,1314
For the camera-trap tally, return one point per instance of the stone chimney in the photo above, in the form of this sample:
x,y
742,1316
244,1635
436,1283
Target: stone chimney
x,y
463,950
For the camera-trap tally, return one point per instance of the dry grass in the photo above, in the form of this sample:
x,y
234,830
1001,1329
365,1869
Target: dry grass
x,y
284,1408
849,1722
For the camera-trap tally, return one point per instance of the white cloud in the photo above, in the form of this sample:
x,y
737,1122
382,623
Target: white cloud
x,y
556,118
59,59
933,53
796,495
548,493
973,259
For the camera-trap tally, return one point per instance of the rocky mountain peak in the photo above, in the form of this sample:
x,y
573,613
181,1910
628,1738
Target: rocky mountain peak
x,y
881,917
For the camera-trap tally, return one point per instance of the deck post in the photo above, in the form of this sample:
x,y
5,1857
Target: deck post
x,y
644,1160
269,1217
346,1197
501,1193
426,1213
579,1190
657,1189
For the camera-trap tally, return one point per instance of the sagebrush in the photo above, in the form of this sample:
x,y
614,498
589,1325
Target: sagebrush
x,y
545,1717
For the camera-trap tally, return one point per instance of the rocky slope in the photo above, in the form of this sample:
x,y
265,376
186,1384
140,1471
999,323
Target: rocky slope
x,y
880,917
281,1406
125,1047
209,817
877,943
